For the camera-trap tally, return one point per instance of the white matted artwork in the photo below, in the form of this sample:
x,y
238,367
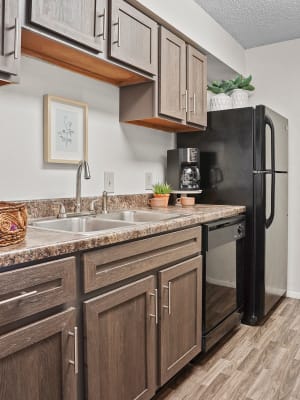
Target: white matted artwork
x,y
65,130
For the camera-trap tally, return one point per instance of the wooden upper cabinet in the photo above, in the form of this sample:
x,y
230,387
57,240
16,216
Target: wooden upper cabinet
x,y
196,87
120,337
10,38
172,76
181,316
133,37
176,102
84,21
34,360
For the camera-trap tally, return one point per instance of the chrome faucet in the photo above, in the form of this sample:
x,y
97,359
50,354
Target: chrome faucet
x,y
82,164
104,202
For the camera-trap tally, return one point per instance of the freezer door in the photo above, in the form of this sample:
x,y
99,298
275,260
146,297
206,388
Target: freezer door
x,y
280,125
276,235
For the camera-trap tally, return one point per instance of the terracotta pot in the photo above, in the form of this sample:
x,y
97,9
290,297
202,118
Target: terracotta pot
x,y
163,196
186,201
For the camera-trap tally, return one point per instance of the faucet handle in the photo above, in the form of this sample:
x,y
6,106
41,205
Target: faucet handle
x,y
104,202
62,211
92,205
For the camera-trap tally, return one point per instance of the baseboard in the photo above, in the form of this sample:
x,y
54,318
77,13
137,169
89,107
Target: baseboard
x,y
292,294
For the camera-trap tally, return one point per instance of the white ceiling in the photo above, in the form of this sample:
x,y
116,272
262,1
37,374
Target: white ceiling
x,y
256,22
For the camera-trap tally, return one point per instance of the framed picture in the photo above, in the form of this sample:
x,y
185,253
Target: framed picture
x,y
65,130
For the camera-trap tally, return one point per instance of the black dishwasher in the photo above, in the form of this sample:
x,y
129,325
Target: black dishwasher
x,y
223,252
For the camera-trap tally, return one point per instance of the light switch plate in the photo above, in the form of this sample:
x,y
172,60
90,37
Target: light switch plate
x,y
109,184
148,180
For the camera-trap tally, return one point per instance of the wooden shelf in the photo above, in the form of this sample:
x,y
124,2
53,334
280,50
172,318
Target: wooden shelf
x,y
67,56
163,125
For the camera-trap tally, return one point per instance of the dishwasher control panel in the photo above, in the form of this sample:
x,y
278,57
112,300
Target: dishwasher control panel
x,y
223,231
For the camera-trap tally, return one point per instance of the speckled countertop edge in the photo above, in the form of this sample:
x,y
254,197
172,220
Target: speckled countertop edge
x,y
41,244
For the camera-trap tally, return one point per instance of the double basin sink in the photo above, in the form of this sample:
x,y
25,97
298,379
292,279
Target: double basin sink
x,y
104,222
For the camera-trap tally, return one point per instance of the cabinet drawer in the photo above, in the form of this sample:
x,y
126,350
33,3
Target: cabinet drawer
x,y
29,290
107,266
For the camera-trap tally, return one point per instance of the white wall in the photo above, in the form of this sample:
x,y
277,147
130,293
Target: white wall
x,y
275,70
189,18
127,150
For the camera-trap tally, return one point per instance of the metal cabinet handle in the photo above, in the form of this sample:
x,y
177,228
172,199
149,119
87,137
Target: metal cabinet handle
x,y
75,362
185,107
17,38
118,41
168,307
103,33
194,103
155,295
21,296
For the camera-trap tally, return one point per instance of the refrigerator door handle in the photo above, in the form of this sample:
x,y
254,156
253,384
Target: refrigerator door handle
x,y
269,123
269,220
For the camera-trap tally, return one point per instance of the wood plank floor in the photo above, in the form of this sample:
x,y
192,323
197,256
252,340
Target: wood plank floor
x,y
255,363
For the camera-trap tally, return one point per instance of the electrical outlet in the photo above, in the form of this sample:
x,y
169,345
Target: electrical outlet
x,y
148,180
109,184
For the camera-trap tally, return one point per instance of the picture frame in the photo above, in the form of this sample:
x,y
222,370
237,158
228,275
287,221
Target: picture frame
x,y
65,130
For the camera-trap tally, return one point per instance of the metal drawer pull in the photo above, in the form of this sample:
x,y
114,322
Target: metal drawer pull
x,y
75,362
21,296
103,15
156,306
168,307
118,41
17,38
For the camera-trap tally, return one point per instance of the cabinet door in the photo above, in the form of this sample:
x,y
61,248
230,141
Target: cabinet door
x,y
120,337
172,77
34,360
181,316
83,21
133,37
10,33
196,85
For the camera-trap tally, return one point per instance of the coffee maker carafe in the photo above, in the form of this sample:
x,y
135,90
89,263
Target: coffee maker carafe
x,y
183,171
190,178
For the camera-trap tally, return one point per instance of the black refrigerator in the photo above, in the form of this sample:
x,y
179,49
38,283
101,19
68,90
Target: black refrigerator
x,y
244,160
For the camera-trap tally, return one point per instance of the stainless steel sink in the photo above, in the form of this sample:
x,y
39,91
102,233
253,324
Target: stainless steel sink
x,y
103,222
139,216
80,224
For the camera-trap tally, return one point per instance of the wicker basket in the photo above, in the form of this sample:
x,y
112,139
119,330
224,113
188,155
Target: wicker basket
x,y
13,223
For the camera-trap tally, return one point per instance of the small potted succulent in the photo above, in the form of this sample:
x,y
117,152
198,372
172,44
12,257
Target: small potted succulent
x,y
240,93
221,99
162,190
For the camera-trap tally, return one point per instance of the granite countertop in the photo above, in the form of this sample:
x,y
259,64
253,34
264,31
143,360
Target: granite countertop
x,y
41,244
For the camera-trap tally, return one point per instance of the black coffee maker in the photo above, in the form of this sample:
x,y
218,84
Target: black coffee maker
x,y
183,172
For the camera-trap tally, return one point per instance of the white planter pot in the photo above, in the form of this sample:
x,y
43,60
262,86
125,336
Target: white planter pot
x,y
240,98
220,102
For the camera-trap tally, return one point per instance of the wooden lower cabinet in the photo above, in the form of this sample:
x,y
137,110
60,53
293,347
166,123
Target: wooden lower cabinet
x,y
34,360
123,356
120,337
181,316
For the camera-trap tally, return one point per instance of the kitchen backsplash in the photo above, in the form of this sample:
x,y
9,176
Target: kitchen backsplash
x,y
50,207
